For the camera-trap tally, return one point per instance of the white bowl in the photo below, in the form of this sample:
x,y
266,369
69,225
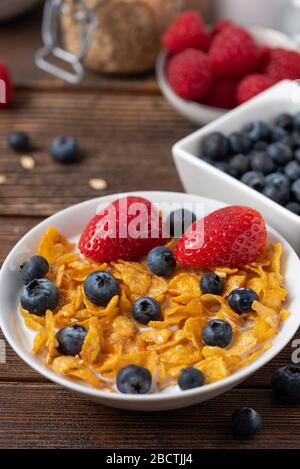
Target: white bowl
x,y
71,223
200,113
201,178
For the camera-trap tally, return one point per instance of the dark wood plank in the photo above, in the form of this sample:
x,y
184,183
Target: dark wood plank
x,y
65,420
126,140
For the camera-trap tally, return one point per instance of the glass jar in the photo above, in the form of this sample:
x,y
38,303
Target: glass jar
x,y
111,36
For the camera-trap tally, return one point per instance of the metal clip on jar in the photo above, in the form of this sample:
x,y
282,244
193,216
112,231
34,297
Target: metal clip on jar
x,y
112,36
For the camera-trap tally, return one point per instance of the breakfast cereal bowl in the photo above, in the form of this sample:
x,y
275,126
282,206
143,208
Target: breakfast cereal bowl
x,y
201,113
71,222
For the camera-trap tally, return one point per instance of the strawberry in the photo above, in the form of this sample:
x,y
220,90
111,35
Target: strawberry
x,y
127,229
231,237
6,89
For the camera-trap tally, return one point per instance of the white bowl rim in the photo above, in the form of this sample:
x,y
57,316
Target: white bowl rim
x,y
231,380
193,105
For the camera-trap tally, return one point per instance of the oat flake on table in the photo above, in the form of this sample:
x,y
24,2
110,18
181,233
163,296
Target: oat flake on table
x,y
98,184
27,162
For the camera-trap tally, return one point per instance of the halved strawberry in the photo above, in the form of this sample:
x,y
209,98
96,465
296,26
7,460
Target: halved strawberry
x,y
127,229
231,236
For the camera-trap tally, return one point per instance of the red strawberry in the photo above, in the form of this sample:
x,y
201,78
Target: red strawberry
x,y
189,74
220,26
232,236
264,52
233,53
251,85
6,87
127,229
188,30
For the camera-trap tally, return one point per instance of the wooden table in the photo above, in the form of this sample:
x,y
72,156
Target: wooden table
x,y
126,129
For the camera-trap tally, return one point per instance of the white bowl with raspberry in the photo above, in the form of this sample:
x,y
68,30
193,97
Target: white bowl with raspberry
x,y
201,113
71,223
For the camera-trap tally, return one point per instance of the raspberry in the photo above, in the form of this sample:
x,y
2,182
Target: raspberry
x,y
283,64
252,85
222,94
263,56
5,76
188,30
127,229
232,236
189,74
220,26
233,53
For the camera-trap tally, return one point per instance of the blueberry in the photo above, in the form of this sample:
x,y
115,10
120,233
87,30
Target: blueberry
x,y
34,267
146,309
100,287
133,379
278,133
296,189
280,153
292,170
296,139
215,146
254,179
293,207
178,221
18,141
38,296
285,121
211,283
64,150
246,422
297,155
261,162
280,196
70,339
278,180
260,146
190,378
286,384
258,130
297,121
239,142
161,261
241,299
289,141
240,163
226,168
217,333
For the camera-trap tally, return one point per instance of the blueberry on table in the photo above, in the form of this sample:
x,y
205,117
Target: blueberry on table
x,y
246,422
190,378
215,146
18,141
70,339
239,142
258,130
217,333
240,163
211,283
296,189
285,121
241,299
254,179
64,150
133,379
286,384
280,153
100,286
146,309
38,296
34,267
292,170
261,162
161,261
293,207
178,221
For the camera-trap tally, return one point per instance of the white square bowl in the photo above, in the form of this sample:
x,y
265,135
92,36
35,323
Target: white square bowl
x,y
200,178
